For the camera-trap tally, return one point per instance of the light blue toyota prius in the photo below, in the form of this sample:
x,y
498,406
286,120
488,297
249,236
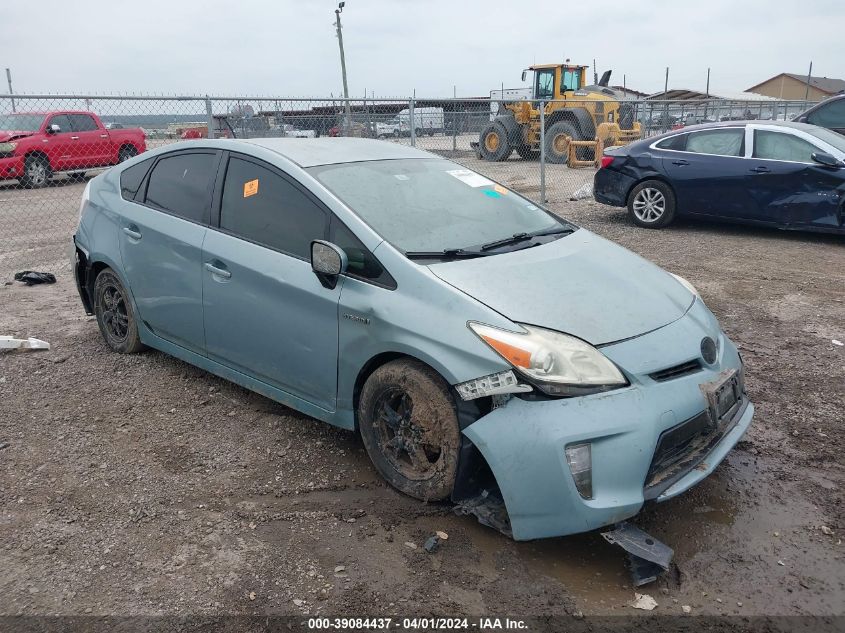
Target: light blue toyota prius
x,y
484,348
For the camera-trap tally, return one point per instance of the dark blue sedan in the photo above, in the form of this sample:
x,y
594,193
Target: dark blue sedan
x,y
788,175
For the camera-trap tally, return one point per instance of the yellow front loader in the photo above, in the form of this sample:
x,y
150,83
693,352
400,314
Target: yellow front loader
x,y
580,120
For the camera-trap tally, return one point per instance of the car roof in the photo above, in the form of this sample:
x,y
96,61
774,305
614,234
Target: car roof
x,y
312,152
706,126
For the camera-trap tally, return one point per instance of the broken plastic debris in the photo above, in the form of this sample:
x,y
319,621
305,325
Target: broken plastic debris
x,y
7,342
31,277
647,556
838,343
489,509
432,543
644,601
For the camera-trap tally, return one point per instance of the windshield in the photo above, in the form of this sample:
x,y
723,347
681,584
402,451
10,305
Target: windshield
x,y
830,137
433,204
21,122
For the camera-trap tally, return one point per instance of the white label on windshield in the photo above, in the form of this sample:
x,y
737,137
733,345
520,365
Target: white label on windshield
x,y
400,177
470,177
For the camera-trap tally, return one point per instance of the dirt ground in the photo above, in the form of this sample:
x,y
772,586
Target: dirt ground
x,y
142,485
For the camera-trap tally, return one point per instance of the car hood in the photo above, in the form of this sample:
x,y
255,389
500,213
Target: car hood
x,y
11,135
580,284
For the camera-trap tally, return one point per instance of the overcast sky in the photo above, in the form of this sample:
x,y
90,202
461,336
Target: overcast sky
x,y
393,47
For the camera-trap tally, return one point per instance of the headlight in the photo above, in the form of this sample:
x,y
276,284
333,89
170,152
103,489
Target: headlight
x,y
686,284
7,148
558,364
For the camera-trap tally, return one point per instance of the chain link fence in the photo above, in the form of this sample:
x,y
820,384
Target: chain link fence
x,y
50,145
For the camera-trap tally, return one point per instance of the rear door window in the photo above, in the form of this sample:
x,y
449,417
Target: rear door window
x,y
181,185
772,145
131,179
720,142
82,122
262,206
677,143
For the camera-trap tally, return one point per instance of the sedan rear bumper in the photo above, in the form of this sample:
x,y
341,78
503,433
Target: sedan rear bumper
x,y
612,187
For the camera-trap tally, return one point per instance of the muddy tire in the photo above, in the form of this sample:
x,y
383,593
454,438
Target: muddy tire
x,y
36,172
493,143
114,314
651,204
410,429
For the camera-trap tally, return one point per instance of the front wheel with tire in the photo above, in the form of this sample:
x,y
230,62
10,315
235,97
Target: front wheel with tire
x,y
651,204
409,426
558,137
114,314
36,172
493,143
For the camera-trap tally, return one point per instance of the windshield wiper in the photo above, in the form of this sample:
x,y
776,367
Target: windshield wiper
x,y
447,253
513,239
561,230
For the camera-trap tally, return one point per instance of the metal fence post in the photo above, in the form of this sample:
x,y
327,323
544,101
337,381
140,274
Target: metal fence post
x,y
209,116
412,123
542,152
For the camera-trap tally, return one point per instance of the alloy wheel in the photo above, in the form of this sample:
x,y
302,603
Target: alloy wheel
x,y
115,314
409,447
649,205
37,173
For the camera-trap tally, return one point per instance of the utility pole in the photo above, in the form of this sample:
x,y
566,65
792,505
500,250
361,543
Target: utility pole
x,y
11,92
806,94
347,109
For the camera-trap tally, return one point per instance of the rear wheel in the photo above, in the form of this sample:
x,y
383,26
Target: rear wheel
x,y
493,143
409,426
114,314
36,172
126,153
651,204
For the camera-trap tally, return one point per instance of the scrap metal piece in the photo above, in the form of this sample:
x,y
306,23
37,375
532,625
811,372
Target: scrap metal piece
x,y
7,342
647,556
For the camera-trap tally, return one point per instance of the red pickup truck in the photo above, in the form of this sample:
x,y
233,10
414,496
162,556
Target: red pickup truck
x,y
36,145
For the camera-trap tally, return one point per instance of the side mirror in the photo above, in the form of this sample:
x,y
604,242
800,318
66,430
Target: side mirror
x,y
53,129
823,158
523,77
328,262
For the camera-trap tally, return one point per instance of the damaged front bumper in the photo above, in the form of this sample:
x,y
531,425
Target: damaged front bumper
x,y
524,441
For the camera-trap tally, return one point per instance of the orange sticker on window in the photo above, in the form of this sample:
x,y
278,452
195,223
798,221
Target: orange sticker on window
x,y
500,189
250,188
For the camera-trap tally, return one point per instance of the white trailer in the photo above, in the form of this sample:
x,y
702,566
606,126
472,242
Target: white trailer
x,y
426,121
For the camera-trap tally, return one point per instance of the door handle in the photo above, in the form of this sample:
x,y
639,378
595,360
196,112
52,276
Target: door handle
x,y
135,235
680,162
760,170
215,270
74,138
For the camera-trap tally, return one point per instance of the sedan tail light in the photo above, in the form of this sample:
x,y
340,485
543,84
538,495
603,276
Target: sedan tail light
x,y
607,161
